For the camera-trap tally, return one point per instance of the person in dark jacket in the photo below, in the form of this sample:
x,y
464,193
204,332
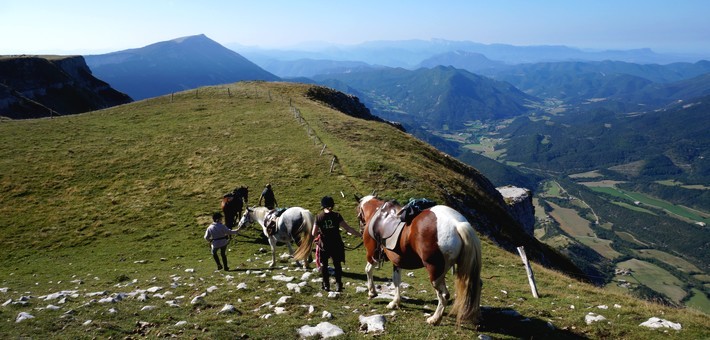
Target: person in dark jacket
x,y
326,230
269,198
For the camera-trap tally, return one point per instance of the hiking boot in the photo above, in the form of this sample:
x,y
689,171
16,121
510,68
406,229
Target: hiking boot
x,y
325,287
219,267
338,287
226,269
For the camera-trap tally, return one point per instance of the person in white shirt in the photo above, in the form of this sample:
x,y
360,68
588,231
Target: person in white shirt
x,y
217,234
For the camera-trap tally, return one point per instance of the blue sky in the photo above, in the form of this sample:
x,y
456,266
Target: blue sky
x,y
100,26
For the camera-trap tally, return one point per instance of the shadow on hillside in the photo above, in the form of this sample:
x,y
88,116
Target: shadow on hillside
x,y
506,321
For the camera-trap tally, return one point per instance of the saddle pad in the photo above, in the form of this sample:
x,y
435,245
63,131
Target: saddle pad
x,y
391,242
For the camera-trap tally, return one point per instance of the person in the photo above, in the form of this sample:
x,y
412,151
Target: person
x,y
326,231
268,196
217,234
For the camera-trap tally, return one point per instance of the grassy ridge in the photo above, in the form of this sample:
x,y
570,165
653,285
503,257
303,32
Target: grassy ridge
x,y
117,200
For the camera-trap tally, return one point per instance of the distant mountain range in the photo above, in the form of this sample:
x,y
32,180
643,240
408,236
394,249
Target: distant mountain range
x,y
172,66
441,96
412,53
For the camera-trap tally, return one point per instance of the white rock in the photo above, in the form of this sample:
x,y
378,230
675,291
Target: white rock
x,y
324,329
4,289
212,289
180,323
296,288
617,306
142,297
53,307
148,308
112,311
326,315
591,317
283,278
190,270
23,316
333,295
172,303
154,289
265,316
373,323
279,310
87,322
197,299
107,300
102,293
484,337
410,274
603,307
311,309
228,309
360,289
306,276
655,322
282,300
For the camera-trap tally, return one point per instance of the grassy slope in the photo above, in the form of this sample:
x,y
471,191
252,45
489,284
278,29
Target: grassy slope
x,y
119,199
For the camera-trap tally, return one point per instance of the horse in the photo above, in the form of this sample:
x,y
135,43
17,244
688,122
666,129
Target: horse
x,y
437,239
232,204
294,224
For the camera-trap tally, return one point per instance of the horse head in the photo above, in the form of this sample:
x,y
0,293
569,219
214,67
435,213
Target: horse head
x,y
247,218
366,208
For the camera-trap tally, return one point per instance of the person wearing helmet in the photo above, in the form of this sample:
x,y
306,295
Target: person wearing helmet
x,y
269,198
217,234
326,230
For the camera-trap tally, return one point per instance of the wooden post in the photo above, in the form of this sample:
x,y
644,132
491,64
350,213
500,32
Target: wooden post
x,y
332,163
229,93
322,150
171,96
528,269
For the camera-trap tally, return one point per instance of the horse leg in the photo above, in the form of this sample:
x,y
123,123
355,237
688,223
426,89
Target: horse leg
x,y
441,294
272,243
371,292
396,280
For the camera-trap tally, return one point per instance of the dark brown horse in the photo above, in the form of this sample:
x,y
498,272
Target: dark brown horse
x,y
232,205
436,239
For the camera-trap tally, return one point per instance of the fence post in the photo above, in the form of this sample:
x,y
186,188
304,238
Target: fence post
x,y
528,269
332,163
322,150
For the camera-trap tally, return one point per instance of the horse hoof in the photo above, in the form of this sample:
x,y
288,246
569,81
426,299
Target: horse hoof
x,y
371,296
392,305
433,321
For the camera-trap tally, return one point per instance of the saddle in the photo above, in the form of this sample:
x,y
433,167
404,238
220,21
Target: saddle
x,y
386,225
270,220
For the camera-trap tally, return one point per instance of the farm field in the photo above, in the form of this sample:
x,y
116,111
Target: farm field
x,y
580,229
655,278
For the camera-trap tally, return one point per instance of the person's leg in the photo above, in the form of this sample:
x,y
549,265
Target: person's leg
x,y
223,251
324,270
338,276
216,258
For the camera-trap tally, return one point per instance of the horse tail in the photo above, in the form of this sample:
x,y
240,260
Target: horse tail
x,y
468,275
304,249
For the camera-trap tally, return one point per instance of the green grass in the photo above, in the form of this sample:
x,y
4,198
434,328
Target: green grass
x,y
117,200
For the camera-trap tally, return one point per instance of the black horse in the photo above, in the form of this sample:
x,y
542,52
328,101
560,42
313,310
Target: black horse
x,y
232,205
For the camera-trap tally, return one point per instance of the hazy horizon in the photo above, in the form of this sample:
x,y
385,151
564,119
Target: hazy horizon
x,y
88,27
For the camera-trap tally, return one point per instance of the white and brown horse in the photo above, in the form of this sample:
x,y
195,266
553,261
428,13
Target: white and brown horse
x,y
294,224
436,239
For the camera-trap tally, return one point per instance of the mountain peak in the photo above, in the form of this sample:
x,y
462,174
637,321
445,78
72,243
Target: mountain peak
x,y
199,37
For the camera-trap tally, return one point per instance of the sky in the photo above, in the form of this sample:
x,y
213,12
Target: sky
x,y
102,26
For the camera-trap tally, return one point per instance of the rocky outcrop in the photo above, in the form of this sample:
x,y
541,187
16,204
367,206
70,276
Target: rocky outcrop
x,y
44,86
345,103
520,206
